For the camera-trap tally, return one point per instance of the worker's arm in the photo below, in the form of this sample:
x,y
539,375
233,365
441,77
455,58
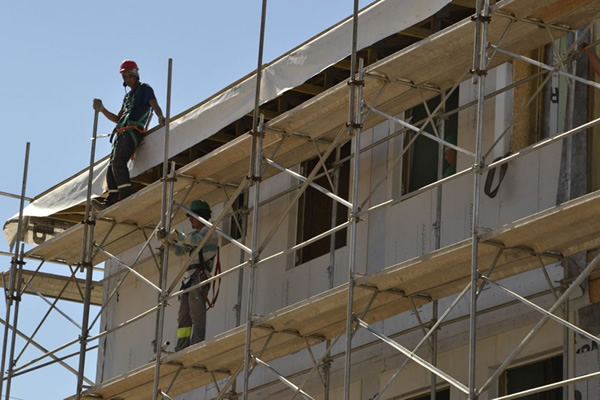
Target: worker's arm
x,y
98,106
154,104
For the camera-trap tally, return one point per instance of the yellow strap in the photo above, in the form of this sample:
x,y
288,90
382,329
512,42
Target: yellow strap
x,y
184,332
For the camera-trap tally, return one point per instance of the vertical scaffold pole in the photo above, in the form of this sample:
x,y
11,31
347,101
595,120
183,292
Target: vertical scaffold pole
x,y
255,174
568,334
438,240
479,71
86,260
16,266
354,130
331,272
165,223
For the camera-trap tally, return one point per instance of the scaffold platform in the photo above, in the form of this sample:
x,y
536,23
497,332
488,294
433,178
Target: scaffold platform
x,y
546,236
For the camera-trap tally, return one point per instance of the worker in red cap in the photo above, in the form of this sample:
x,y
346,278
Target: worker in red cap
x,y
131,122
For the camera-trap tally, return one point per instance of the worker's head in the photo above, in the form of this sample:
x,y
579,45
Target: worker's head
x,y
130,73
200,208
450,155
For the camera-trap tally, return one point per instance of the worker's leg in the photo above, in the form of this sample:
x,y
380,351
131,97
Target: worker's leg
x,y
111,183
124,148
198,310
184,323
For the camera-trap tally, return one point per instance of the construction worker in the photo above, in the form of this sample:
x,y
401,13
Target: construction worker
x,y
131,121
191,317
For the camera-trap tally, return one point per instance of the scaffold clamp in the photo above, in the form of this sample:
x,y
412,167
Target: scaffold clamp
x,y
482,18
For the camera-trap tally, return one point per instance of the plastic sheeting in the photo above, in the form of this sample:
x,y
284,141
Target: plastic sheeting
x,y
377,21
69,194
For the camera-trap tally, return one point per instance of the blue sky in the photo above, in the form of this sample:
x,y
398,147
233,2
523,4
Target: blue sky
x,y
59,55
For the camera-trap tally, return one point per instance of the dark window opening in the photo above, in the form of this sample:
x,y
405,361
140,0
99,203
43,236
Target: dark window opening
x,y
532,375
439,395
421,166
237,221
315,208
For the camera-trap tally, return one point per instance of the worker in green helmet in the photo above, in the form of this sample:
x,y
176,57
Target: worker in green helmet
x,y
191,317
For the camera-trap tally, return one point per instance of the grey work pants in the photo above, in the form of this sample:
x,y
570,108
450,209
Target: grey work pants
x,y
191,318
117,175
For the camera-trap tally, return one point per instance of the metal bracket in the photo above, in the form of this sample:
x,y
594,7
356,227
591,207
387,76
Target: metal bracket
x,y
356,82
482,18
479,72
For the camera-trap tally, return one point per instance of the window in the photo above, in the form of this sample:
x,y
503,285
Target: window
x,y
315,209
439,395
420,167
529,376
239,217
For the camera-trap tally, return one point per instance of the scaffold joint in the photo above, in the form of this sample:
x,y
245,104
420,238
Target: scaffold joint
x,y
356,82
169,179
89,221
259,133
254,178
17,261
354,217
13,297
482,18
84,264
354,125
479,72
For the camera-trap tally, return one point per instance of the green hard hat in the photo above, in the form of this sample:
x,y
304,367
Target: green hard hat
x,y
199,205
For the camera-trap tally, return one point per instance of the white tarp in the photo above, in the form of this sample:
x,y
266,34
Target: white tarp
x,y
377,21
69,194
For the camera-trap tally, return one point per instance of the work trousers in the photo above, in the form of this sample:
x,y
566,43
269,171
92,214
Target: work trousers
x,y
117,176
191,318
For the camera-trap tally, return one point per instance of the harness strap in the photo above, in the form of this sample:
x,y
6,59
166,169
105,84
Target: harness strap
x,y
489,179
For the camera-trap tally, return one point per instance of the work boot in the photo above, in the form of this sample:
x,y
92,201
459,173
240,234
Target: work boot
x,y
111,199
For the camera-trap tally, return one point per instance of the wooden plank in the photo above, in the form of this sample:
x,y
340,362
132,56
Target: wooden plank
x,y
51,285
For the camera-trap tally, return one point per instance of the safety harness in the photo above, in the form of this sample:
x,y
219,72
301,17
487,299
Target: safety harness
x,y
136,129
202,267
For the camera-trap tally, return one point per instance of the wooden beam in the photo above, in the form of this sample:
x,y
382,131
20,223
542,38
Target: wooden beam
x,y
417,32
464,3
307,88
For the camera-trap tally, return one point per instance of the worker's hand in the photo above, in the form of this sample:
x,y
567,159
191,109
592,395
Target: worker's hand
x,y
97,104
161,120
165,237
173,236
161,235
585,49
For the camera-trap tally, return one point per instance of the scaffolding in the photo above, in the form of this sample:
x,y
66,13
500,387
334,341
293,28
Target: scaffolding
x,y
497,33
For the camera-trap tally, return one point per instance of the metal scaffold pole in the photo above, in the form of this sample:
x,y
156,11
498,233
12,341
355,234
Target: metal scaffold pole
x,y
354,130
165,224
255,174
87,244
479,71
16,267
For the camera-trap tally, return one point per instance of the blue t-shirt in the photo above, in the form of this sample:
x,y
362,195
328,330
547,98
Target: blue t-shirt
x,y
136,107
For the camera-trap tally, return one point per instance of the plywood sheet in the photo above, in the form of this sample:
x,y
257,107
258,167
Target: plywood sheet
x,y
56,286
